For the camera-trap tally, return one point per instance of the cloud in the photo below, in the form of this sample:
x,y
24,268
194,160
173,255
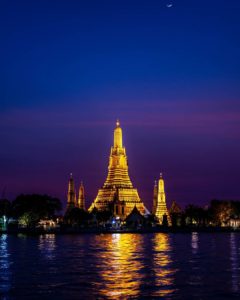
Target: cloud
x,y
166,116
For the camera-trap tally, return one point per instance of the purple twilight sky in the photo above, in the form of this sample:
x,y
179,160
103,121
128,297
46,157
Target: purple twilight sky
x,y
171,75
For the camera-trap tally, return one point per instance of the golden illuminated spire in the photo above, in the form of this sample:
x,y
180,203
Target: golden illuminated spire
x,y
117,136
160,203
118,179
118,166
161,191
81,197
71,196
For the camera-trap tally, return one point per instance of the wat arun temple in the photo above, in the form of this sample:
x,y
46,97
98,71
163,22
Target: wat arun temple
x,y
118,194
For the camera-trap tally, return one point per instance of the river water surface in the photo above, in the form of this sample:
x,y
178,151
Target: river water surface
x,y
120,266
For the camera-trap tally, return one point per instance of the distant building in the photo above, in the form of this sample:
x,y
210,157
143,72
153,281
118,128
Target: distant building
x,y
175,208
159,202
155,198
48,224
175,213
81,197
72,196
135,219
3,223
234,222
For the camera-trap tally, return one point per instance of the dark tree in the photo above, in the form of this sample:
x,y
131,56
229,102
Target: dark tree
x,y
76,216
150,220
103,216
165,220
194,215
5,208
42,206
222,210
174,218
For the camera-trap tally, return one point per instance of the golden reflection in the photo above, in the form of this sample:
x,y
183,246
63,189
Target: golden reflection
x,y
162,263
47,245
120,265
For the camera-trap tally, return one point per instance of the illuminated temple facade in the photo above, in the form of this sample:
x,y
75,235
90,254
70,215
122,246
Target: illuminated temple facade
x,y
159,201
118,193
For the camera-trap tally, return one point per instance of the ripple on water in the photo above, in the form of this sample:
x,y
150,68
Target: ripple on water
x,y
120,266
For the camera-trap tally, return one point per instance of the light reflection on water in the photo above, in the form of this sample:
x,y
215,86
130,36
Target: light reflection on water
x,y
194,242
234,263
5,274
195,278
164,271
120,266
47,245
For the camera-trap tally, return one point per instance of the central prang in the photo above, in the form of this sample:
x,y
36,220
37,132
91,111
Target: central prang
x,y
117,193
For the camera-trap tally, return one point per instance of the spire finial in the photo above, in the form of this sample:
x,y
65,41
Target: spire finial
x,y
117,136
161,174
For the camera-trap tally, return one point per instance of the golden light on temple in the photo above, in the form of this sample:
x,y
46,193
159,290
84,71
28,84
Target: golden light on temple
x,y
118,189
159,201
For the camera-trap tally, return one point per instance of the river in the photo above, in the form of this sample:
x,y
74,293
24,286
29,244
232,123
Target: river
x,y
120,266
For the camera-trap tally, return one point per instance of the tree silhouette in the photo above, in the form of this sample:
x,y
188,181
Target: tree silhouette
x,y
43,206
5,208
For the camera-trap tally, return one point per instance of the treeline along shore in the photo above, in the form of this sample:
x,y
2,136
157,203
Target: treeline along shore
x,y
39,214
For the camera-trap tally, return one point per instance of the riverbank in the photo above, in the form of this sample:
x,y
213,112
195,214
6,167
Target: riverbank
x,y
40,231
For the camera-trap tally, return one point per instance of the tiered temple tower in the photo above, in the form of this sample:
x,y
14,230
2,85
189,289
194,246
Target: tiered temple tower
x,y
81,197
159,201
117,193
72,201
155,197
71,195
